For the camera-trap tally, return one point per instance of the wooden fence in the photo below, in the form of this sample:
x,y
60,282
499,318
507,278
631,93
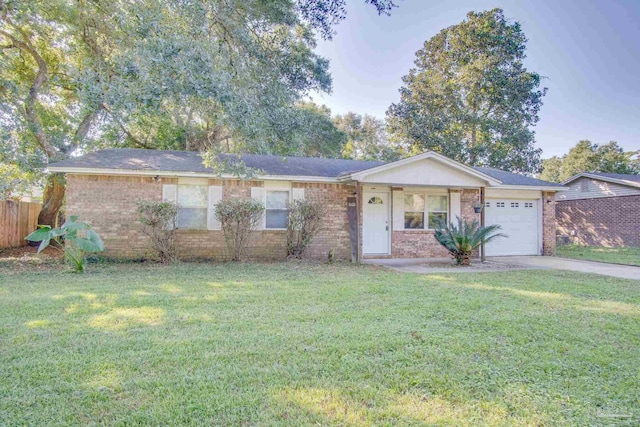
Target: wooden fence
x,y
17,220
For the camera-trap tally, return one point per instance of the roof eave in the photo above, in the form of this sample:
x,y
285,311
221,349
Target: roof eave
x,y
186,174
531,187
601,178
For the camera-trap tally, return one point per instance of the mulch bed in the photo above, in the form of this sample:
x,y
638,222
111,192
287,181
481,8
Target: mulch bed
x,y
26,258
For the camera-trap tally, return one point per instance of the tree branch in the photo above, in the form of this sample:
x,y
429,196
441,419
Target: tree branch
x,y
32,98
131,137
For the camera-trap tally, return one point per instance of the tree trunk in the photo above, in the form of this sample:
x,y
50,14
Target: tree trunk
x,y
52,199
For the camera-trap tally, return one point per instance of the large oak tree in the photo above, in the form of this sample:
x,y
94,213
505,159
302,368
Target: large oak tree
x,y
470,97
198,75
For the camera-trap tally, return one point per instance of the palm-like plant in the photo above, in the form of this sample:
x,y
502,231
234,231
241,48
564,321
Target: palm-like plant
x,y
461,239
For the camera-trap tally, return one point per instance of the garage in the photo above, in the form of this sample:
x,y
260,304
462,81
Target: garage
x,y
520,220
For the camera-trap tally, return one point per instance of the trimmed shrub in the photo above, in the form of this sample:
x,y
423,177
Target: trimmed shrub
x,y
238,218
305,221
158,221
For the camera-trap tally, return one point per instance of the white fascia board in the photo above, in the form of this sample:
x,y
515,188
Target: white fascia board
x,y
427,155
601,178
120,172
529,187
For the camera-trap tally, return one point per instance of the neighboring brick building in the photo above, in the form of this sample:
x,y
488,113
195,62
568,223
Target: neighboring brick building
x,y
600,209
397,204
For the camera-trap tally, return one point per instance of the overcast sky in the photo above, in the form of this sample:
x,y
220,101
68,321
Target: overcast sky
x,y
588,52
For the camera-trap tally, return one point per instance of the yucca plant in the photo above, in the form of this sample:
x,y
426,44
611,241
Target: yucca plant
x,y
462,239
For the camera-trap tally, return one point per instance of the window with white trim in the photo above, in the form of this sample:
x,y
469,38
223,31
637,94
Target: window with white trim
x,y
277,209
420,207
192,206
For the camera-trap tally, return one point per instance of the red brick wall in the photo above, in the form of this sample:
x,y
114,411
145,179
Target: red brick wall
x,y
108,203
548,223
422,243
608,221
335,232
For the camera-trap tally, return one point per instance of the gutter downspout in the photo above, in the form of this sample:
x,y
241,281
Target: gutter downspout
x,y
482,202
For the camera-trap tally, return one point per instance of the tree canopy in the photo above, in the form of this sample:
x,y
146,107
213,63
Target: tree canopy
x,y
366,138
586,156
168,74
470,97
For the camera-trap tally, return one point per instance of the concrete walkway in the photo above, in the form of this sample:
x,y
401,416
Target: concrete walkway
x,y
622,271
495,264
444,265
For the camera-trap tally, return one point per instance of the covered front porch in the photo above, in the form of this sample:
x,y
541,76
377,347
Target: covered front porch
x,y
400,205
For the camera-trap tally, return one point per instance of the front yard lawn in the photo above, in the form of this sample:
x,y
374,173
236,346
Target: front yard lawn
x,y
294,344
630,256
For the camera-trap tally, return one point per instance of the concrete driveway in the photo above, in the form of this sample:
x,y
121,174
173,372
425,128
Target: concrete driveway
x,y
614,270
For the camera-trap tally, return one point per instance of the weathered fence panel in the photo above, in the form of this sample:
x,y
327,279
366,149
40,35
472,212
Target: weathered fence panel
x,y
17,220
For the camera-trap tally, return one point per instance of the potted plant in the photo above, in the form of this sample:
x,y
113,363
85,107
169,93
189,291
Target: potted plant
x,y
477,207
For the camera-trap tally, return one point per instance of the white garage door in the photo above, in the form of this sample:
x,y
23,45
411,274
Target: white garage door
x,y
519,220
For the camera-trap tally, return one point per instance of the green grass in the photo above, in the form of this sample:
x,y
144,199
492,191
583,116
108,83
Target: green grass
x,y
630,256
293,344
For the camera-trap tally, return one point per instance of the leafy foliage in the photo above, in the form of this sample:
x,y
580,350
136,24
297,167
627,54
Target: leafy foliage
x,y
367,138
470,97
169,74
305,222
238,218
586,156
158,221
462,239
75,239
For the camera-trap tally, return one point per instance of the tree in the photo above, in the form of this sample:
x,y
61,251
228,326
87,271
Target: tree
x,y
551,169
162,74
315,134
470,97
586,156
366,138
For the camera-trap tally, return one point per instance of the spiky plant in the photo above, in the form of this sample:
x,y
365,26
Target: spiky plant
x,y
462,239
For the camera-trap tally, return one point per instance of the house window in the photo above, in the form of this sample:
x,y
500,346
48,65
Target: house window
x,y
419,206
375,200
413,211
438,208
192,206
528,204
277,209
500,204
515,204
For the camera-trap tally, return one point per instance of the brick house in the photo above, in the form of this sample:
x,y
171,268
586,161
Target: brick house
x,y
600,209
375,209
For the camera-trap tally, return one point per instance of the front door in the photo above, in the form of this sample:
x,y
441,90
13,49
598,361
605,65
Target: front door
x,y
375,223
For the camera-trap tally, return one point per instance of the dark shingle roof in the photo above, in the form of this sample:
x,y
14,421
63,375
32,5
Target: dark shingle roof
x,y
509,178
189,161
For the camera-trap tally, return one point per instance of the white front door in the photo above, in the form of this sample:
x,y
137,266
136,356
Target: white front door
x,y
375,223
519,219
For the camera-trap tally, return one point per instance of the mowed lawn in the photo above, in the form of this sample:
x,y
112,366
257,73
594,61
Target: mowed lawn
x,y
630,256
296,344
